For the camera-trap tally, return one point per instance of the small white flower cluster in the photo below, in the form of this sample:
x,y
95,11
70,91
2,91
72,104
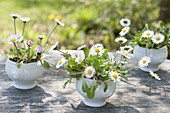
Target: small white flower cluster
x,y
157,38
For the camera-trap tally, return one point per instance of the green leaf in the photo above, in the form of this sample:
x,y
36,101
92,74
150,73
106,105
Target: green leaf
x,y
105,86
86,52
46,65
84,85
91,91
18,65
68,81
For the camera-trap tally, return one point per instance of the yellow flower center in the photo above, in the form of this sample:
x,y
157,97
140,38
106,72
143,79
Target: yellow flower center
x,y
41,59
80,60
144,61
60,62
59,17
51,16
111,58
115,75
154,75
124,30
97,50
147,34
157,38
89,72
13,40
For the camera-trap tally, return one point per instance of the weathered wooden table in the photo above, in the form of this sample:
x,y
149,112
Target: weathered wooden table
x,y
50,97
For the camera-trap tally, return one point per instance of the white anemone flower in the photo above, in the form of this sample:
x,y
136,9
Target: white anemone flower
x,y
127,48
61,62
154,75
125,22
12,39
158,38
81,47
53,47
148,33
97,49
15,15
144,61
111,58
25,19
42,59
124,31
115,76
121,40
89,72
58,22
79,58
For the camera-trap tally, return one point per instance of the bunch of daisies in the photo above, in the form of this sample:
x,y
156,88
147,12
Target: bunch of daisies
x,y
27,51
146,38
96,63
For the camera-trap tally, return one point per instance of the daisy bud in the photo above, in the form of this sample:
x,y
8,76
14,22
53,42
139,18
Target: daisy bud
x,y
39,50
30,43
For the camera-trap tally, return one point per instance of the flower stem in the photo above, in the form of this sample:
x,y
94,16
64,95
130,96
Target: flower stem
x,y
51,33
23,29
16,49
15,26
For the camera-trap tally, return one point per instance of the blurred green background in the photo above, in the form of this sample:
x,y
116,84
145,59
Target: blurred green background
x,y
86,21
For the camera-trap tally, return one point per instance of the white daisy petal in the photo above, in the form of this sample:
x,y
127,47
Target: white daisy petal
x,y
97,49
124,31
154,75
121,40
148,33
89,72
144,61
58,22
115,76
61,62
125,22
25,19
158,38
81,47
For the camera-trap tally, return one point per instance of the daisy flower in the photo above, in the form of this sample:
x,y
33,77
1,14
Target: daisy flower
x,y
121,40
54,46
111,58
25,19
158,38
124,53
115,76
127,48
144,61
125,22
79,58
42,59
58,22
81,47
41,37
97,49
89,71
124,31
15,16
148,33
61,62
12,39
154,75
